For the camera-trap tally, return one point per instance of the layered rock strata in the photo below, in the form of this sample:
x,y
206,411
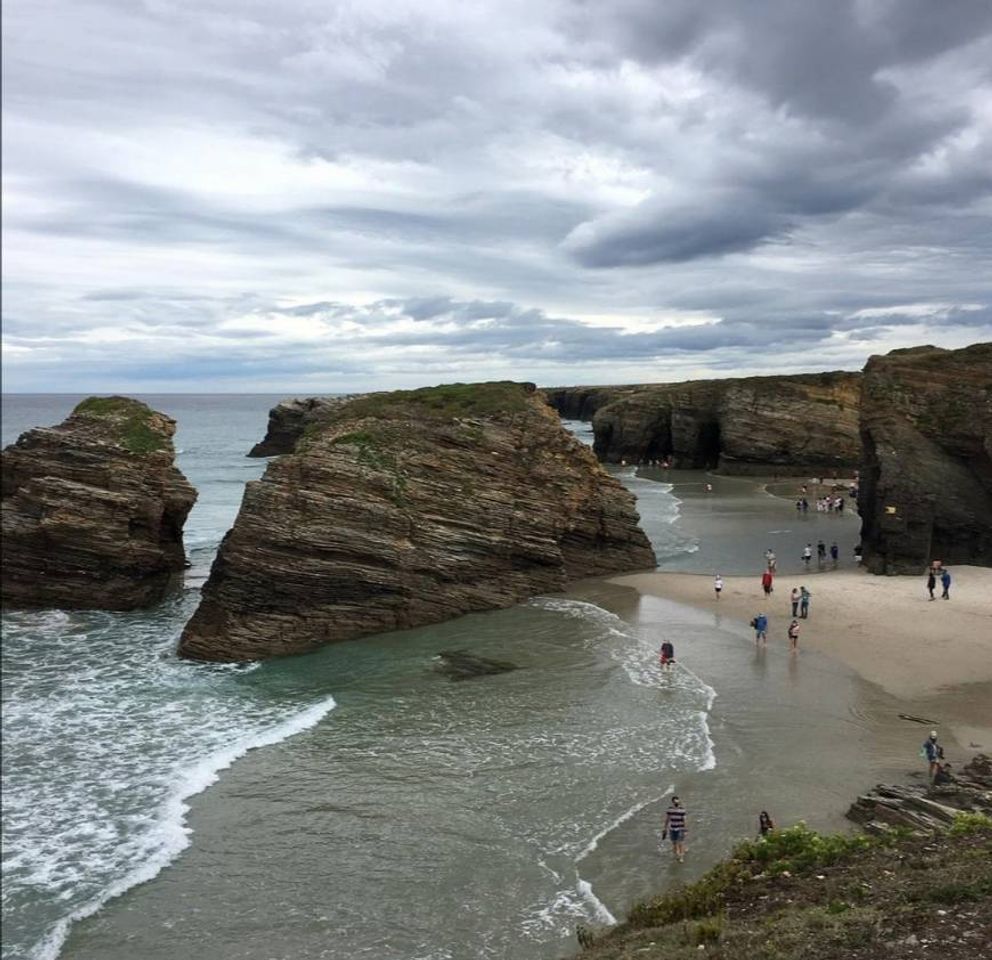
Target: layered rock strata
x,y
926,472
410,508
93,509
290,420
790,424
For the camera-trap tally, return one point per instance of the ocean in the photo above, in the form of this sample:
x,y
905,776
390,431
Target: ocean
x,y
355,802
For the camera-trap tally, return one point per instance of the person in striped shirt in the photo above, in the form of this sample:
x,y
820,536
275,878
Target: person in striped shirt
x,y
675,828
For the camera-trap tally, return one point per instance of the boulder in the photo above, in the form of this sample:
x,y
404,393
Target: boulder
x,y
93,509
926,471
290,420
462,665
409,508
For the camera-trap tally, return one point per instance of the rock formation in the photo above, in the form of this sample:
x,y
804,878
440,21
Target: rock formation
x,y
409,508
93,509
926,472
462,665
290,420
806,423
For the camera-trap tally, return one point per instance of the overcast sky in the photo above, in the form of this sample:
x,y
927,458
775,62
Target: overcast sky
x,y
310,195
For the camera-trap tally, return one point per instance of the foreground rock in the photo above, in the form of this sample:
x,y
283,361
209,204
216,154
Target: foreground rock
x,y
800,424
290,420
93,509
926,472
410,508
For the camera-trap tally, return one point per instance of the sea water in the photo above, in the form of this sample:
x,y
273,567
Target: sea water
x,y
387,811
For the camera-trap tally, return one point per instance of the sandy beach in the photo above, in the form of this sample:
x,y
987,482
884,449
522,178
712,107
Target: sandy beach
x,y
885,628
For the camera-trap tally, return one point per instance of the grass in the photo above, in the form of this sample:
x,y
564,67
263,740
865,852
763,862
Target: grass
x,y
448,401
130,421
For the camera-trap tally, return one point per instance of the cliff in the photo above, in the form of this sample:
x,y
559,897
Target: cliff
x,y
290,420
93,509
802,423
409,508
926,472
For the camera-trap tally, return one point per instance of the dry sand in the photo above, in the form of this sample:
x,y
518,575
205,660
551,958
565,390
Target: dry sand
x,y
885,628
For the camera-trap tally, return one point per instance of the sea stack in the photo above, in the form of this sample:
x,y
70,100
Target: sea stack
x,y
409,508
289,420
926,472
93,509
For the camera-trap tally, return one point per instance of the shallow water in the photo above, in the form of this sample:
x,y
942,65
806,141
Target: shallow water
x,y
391,812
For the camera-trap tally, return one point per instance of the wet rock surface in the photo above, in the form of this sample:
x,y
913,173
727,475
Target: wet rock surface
x,y
462,665
93,509
807,423
926,472
410,508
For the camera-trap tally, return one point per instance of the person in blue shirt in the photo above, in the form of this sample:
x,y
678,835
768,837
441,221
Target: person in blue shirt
x,y
804,598
760,624
945,582
934,753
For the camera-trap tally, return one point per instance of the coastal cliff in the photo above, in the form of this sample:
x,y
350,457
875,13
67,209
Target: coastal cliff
x,y
926,472
93,509
289,420
801,423
408,508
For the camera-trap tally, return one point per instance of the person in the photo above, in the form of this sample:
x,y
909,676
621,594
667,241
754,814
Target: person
x,y
945,582
765,824
805,505
807,554
934,753
931,583
834,552
772,560
709,488
667,655
796,595
821,552
675,828
767,582
760,624
857,553
717,585
794,635
804,598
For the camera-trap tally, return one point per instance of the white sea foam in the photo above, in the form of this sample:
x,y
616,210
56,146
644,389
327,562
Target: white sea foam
x,y
599,909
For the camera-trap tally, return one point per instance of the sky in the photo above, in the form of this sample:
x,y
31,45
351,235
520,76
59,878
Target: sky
x,y
305,196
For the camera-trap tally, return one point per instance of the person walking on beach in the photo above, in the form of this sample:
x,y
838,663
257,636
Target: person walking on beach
x,y
760,624
945,582
795,598
821,552
931,583
834,552
794,635
718,585
667,655
804,598
675,828
934,753
767,582
765,824
807,554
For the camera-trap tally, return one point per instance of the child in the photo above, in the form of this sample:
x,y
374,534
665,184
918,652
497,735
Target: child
x,y
667,655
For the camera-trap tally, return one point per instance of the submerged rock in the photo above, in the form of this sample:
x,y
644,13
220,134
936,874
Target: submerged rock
x,y
926,472
409,508
807,423
93,509
462,665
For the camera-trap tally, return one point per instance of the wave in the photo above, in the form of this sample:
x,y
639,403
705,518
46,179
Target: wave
x,y
172,835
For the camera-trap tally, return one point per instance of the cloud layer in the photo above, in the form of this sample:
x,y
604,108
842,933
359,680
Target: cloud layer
x,y
298,197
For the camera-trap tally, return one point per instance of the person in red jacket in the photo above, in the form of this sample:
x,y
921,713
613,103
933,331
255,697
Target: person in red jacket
x,y
767,580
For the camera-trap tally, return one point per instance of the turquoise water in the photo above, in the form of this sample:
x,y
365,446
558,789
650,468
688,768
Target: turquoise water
x,y
357,803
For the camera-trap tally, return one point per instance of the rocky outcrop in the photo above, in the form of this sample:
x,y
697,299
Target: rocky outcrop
x,y
290,420
461,665
926,472
93,509
410,508
807,423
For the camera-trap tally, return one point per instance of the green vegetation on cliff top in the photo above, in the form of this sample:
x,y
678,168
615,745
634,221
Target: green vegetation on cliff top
x,y
444,402
129,421
802,896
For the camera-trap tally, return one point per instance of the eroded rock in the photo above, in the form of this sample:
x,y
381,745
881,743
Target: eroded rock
x,y
93,509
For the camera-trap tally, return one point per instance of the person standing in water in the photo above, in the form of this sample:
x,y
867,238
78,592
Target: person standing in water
x,y
765,824
760,624
794,635
834,552
675,828
718,585
807,554
667,655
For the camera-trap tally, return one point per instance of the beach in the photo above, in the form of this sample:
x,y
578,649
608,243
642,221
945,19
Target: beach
x,y
928,654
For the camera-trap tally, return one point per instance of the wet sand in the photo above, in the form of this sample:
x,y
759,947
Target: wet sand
x,y
933,656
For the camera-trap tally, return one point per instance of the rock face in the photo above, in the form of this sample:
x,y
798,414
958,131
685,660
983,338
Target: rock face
x,y
411,508
926,472
93,509
289,420
794,424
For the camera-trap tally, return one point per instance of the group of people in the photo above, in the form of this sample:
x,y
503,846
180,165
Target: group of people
x,y
675,828
821,553
939,572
